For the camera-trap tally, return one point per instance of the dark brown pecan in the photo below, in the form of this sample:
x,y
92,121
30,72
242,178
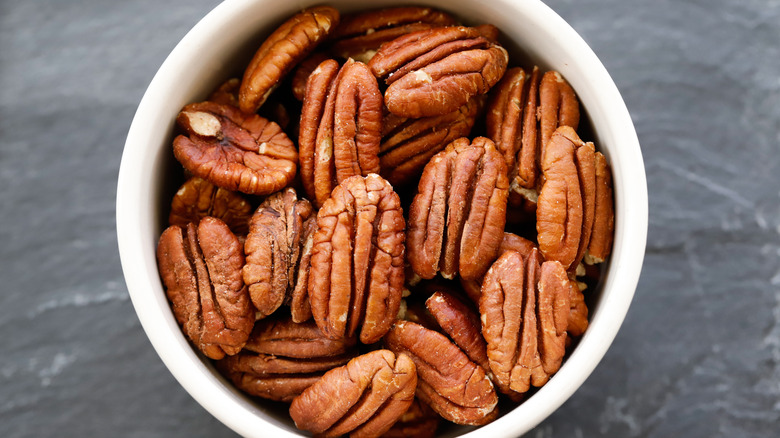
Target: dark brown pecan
x,y
288,45
273,250
357,262
433,72
408,144
454,386
200,265
234,150
600,244
283,358
419,421
227,93
525,309
523,112
302,72
359,35
364,398
457,218
198,198
341,127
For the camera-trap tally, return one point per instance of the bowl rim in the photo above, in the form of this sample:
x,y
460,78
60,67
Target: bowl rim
x,y
209,389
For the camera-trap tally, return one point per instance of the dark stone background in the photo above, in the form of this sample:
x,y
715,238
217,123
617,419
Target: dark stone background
x,y
698,354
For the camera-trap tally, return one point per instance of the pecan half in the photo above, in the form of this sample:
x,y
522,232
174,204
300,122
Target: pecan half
x,y
408,144
234,150
357,262
419,421
600,244
433,72
303,71
359,35
198,198
454,386
461,324
200,266
341,127
281,51
273,251
524,307
578,310
457,217
523,112
363,398
283,358
227,93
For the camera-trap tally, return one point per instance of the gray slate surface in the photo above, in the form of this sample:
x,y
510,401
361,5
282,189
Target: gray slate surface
x,y
698,354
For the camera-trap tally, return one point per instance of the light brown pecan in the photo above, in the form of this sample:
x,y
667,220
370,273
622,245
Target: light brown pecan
x,y
359,35
523,112
357,262
200,265
364,398
408,144
283,358
454,386
419,421
341,127
227,93
525,308
457,217
433,72
289,44
198,198
302,72
600,244
234,150
273,251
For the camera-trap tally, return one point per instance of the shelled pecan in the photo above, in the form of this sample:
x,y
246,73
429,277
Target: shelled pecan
x,y
364,398
341,127
510,242
600,244
419,421
200,265
357,263
303,71
198,198
234,150
457,217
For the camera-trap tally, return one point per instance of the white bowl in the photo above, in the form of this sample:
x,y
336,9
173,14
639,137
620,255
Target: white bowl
x,y
220,45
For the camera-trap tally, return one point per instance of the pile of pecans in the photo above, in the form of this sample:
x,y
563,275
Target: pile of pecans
x,y
428,272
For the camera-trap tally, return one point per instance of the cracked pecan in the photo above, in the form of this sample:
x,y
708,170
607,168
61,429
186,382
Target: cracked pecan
x,y
525,308
419,421
357,262
454,386
364,398
200,265
273,248
360,35
282,358
198,198
234,150
341,127
433,72
523,112
408,144
289,44
457,217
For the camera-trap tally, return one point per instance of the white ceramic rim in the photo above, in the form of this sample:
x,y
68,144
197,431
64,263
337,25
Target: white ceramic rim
x,y
137,235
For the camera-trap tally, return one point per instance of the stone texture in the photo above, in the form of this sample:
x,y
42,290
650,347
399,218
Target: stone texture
x,y
698,354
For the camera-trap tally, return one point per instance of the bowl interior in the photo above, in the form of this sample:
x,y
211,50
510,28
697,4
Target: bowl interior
x,y
221,45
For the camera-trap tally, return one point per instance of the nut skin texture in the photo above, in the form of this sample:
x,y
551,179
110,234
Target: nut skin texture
x,y
419,421
558,106
364,398
457,217
525,309
233,150
433,72
288,45
461,324
360,35
273,252
600,244
200,266
198,198
408,144
341,127
357,262
454,386
283,358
